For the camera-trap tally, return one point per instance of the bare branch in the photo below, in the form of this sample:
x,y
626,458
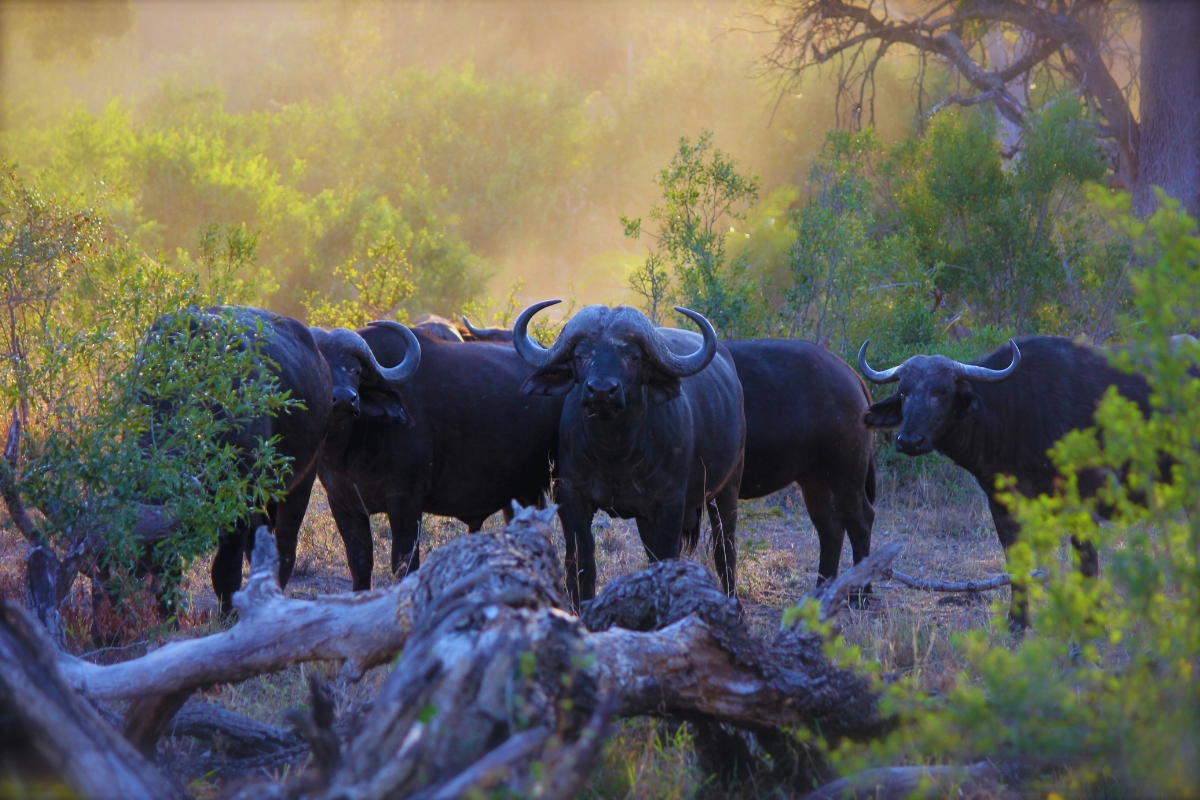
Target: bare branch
x,y
832,595
811,33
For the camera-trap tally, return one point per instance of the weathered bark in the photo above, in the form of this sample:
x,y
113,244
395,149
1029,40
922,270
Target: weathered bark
x,y
147,717
1170,96
239,736
71,737
273,631
495,676
672,644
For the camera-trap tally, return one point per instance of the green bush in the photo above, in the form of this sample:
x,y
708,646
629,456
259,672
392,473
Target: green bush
x,y
701,189
112,417
1102,697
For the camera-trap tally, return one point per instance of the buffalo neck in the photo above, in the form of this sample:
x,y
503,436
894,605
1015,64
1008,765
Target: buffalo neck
x,y
980,442
619,438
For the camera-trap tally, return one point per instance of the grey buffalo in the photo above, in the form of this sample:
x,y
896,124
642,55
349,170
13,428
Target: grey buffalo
x,y
804,409
652,428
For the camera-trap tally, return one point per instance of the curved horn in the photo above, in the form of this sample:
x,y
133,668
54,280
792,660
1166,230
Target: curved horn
x,y
532,352
887,376
412,353
985,375
682,366
478,333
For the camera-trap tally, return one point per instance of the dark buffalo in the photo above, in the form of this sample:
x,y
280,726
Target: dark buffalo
x,y
804,408
288,348
996,419
440,328
804,411
652,428
459,440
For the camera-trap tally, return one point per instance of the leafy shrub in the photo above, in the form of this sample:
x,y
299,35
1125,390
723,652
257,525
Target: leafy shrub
x,y
112,417
380,289
1102,697
699,192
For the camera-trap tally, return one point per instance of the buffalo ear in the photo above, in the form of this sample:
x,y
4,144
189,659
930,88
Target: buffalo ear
x,y
556,380
376,402
661,387
966,401
887,413
664,391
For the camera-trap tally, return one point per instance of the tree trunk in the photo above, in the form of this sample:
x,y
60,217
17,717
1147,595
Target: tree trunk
x,y
1170,105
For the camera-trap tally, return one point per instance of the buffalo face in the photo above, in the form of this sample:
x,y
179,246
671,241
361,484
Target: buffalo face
x,y
346,372
353,368
612,354
934,392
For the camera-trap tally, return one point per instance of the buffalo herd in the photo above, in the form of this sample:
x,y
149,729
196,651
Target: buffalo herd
x,y
659,425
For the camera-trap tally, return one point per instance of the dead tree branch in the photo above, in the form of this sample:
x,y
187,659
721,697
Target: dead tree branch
x,y
273,632
922,585
1071,40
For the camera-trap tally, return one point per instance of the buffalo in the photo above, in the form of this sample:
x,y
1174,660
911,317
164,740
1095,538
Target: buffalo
x,y
440,328
652,428
458,440
292,353
804,409
1001,416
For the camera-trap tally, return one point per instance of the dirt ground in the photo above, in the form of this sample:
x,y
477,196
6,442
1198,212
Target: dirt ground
x,y
934,509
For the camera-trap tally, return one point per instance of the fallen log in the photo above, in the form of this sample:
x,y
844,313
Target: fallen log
x,y
273,632
498,687
80,748
674,645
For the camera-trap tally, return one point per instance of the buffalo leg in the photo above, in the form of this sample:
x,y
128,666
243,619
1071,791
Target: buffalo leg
x,y
856,516
722,514
1089,559
579,560
227,568
404,516
354,524
1007,529
288,517
663,536
818,499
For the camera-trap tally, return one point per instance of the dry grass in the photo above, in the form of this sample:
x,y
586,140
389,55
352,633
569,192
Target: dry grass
x,y
933,508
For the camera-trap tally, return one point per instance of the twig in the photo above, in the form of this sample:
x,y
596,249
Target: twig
x,y
1004,579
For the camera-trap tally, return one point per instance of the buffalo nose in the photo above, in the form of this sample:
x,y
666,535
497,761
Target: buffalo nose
x,y
345,399
910,442
602,388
